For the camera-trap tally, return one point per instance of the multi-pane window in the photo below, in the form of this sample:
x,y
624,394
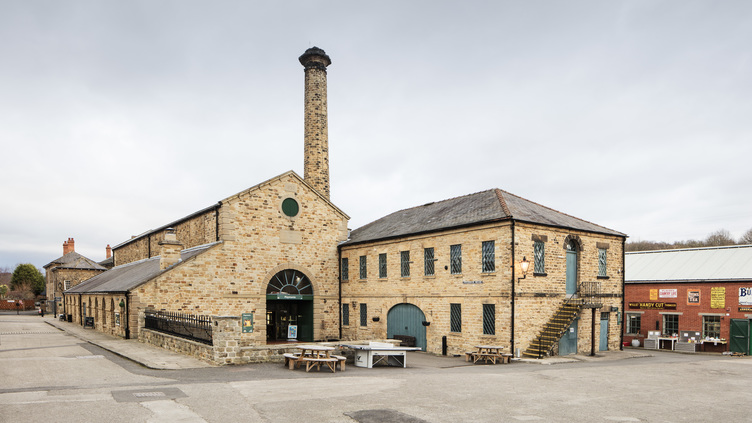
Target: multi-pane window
x,y
539,251
488,251
428,261
633,323
670,324
66,285
345,269
345,314
489,319
405,264
455,259
602,262
382,265
711,326
455,317
363,314
363,267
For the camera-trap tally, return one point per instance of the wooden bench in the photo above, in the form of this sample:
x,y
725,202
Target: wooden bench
x,y
293,360
475,356
331,363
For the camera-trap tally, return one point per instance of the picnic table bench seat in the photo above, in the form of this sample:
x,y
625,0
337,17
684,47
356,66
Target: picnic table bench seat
x,y
293,360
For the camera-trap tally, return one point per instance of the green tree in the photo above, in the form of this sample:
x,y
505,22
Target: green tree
x,y
29,276
3,290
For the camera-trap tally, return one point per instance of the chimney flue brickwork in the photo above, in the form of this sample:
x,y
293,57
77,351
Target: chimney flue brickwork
x,y
316,165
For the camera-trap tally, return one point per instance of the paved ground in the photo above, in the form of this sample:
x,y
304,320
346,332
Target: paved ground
x,y
72,375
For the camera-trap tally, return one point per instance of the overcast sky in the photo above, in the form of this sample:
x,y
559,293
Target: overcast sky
x,y
120,117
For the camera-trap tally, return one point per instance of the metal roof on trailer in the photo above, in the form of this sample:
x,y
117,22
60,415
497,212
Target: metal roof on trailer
x,y
729,263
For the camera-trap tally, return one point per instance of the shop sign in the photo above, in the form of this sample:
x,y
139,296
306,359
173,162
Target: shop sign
x,y
246,320
292,332
748,309
693,297
718,297
653,306
667,293
745,296
653,294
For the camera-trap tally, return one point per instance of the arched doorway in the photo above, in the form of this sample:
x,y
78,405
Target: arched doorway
x,y
289,307
572,247
407,319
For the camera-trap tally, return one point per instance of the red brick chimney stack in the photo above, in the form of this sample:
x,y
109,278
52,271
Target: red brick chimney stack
x,y
69,246
109,251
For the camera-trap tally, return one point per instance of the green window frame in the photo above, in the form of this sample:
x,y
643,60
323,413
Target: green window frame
x,y
455,318
634,323
488,251
670,324
602,257
711,326
428,261
382,265
363,314
363,267
455,259
405,264
489,319
290,207
539,257
345,314
345,271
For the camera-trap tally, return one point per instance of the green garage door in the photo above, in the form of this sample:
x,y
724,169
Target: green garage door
x,y
407,319
740,336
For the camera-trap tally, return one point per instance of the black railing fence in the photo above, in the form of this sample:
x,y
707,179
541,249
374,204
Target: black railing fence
x,y
196,328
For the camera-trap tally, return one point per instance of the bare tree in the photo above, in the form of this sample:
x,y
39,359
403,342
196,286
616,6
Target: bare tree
x,y
746,238
719,238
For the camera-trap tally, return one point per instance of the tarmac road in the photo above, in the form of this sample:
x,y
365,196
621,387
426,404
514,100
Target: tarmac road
x,y
53,375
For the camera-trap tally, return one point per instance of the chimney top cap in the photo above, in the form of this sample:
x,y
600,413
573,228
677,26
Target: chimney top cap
x,y
315,55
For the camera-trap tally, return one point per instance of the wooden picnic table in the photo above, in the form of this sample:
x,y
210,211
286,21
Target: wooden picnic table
x,y
314,356
488,353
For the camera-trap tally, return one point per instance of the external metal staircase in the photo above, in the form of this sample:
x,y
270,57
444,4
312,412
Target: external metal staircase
x,y
555,328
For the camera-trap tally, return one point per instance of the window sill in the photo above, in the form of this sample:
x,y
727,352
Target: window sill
x,y
602,277
488,273
540,274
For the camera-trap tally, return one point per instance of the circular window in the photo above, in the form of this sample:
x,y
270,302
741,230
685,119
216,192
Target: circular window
x,y
290,207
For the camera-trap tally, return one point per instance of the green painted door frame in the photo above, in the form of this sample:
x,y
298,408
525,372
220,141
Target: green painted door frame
x,y
571,272
568,341
407,319
604,332
739,334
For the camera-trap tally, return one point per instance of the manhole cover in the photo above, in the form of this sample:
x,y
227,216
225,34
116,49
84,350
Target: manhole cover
x,y
139,395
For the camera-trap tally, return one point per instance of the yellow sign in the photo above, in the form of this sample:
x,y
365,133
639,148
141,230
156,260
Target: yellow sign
x,y
718,297
653,294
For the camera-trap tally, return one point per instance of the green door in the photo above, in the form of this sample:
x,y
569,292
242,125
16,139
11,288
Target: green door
x,y
740,336
407,319
568,341
571,272
604,332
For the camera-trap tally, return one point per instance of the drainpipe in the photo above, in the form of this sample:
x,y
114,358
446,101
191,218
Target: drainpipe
x,y
623,277
339,278
127,319
80,309
511,341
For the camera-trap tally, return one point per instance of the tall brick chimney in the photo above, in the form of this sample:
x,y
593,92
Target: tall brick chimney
x,y
316,163
170,248
108,251
69,246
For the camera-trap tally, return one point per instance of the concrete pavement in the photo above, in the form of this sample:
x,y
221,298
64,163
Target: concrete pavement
x,y
161,359
145,354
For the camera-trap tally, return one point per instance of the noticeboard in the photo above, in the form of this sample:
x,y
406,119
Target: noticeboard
x,y
247,322
718,297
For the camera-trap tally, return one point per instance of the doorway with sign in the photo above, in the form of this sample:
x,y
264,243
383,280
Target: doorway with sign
x,y
289,307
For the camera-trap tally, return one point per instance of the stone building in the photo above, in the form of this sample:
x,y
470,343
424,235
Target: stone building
x,y
278,256
65,272
450,275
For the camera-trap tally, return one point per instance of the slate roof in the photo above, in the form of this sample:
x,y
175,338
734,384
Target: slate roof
x,y
73,260
709,264
473,209
130,275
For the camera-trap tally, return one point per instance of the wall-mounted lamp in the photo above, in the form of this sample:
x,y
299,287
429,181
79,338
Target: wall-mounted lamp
x,y
524,265
122,303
